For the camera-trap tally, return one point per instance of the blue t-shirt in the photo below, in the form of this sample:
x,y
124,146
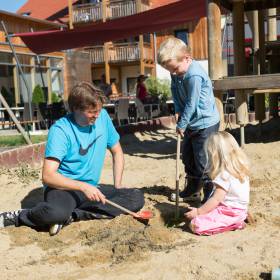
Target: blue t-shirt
x,y
66,138
194,99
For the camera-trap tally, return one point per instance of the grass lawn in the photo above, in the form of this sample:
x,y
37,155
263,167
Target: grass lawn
x,y
18,140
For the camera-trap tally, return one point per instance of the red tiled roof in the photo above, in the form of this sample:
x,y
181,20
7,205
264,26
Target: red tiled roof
x,y
43,9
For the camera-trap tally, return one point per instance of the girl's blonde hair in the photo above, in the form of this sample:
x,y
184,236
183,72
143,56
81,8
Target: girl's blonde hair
x,y
224,154
170,49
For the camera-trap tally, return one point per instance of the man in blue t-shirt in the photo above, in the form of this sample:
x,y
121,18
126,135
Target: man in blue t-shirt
x,y
74,157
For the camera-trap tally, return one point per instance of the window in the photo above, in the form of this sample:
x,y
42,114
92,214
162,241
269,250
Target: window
x,y
182,35
131,85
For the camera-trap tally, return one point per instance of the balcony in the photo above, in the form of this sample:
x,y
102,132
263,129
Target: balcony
x,y
118,53
115,9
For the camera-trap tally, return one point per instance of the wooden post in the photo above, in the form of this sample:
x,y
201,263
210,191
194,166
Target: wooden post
x,y
106,45
107,65
33,73
260,98
215,51
239,66
141,48
273,64
49,80
70,12
141,42
16,82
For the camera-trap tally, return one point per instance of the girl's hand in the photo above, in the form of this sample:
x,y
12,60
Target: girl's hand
x,y
192,213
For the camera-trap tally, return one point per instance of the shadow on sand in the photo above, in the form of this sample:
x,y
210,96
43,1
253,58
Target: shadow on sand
x,y
265,133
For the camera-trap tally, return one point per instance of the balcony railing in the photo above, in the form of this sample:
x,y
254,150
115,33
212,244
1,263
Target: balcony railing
x,y
125,52
114,9
87,12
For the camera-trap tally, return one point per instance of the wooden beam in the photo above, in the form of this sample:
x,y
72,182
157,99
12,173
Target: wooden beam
x,y
49,80
226,4
270,81
107,65
16,82
260,98
141,48
215,51
15,120
70,13
261,5
239,64
273,63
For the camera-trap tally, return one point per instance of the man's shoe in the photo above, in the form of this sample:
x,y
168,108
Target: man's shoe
x,y
190,198
55,228
9,218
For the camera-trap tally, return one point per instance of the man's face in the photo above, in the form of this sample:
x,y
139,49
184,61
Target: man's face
x,y
88,116
176,67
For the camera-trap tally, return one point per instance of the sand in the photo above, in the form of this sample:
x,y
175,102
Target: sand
x,y
124,248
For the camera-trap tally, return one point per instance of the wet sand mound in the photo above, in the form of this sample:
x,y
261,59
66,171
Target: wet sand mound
x,y
113,241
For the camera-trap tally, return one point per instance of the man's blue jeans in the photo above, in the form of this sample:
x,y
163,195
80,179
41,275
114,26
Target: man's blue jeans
x,y
194,159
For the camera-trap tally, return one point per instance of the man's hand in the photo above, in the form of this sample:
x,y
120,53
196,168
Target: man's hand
x,y
93,193
180,131
192,213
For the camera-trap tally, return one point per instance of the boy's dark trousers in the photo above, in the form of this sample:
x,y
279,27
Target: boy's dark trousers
x,y
194,159
60,205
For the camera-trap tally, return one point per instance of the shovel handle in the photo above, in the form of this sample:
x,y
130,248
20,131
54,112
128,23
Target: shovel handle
x,y
177,176
178,156
135,215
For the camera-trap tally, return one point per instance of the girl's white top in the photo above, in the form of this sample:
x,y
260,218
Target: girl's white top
x,y
237,195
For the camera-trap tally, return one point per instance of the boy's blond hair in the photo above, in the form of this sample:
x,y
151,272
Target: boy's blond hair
x,y
170,49
224,154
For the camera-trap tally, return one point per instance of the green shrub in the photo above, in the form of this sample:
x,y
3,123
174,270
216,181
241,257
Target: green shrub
x,y
55,98
158,88
38,95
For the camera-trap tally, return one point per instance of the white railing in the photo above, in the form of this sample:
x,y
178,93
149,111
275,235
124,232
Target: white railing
x,y
96,54
114,9
87,12
121,9
124,52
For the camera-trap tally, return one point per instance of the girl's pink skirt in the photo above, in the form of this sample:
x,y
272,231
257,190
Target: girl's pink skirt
x,y
222,218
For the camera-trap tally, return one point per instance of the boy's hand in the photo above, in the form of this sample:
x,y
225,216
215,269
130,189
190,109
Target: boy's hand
x,y
192,213
177,115
180,131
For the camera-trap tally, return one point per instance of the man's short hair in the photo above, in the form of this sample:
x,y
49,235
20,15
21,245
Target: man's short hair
x,y
85,95
172,49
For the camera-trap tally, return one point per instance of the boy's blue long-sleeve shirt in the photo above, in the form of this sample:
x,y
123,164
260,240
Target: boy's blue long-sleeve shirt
x,y
194,99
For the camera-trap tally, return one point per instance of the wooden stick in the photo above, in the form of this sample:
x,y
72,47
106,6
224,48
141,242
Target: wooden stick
x,y
135,215
12,115
177,175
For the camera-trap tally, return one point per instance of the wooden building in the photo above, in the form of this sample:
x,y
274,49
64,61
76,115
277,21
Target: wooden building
x,y
262,81
124,60
48,73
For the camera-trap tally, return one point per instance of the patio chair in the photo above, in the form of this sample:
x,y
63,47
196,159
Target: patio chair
x,y
122,110
143,111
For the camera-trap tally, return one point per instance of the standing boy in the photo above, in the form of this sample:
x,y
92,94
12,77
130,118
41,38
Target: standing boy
x,y
74,158
196,113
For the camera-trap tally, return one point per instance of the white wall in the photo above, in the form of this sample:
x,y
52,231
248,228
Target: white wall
x,y
128,72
